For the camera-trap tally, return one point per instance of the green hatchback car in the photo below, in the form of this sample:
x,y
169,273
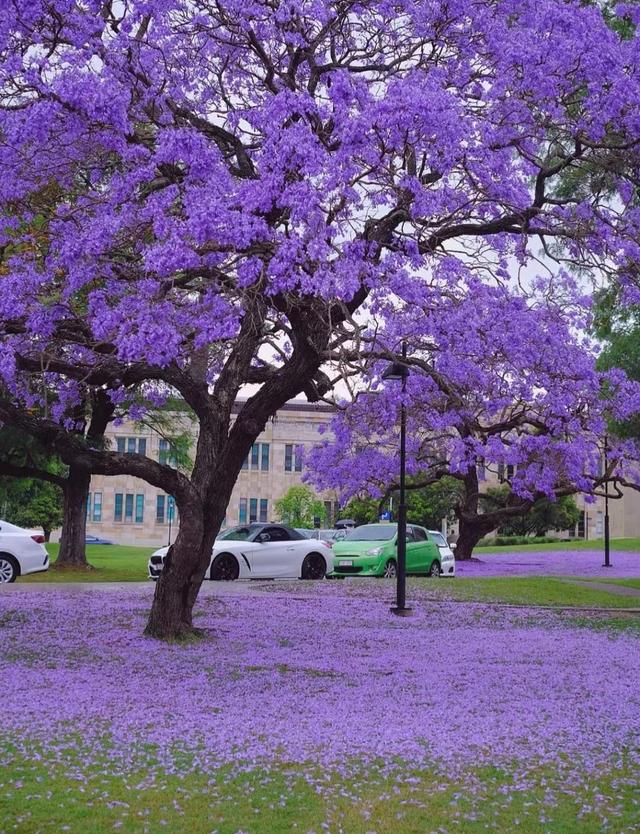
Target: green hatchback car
x,y
371,550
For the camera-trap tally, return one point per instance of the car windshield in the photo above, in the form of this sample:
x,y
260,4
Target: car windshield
x,y
241,533
371,533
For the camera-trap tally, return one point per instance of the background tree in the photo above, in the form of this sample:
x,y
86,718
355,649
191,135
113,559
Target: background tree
x,y
300,507
217,217
524,400
31,503
544,515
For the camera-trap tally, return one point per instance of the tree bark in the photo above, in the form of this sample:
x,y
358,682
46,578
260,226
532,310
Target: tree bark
x,y
471,531
171,615
74,526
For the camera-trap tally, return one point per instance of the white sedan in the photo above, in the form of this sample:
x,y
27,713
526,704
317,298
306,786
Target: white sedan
x,y
21,552
260,551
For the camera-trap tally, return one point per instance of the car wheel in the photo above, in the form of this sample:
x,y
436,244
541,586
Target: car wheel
x,y
314,566
390,570
9,568
225,567
435,570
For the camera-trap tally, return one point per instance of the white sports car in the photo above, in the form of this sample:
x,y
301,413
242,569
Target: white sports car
x,y
260,551
21,552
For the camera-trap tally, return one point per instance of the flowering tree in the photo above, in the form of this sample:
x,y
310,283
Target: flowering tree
x,y
519,394
201,195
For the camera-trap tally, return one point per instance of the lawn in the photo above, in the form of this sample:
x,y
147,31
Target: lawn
x,y
111,563
310,708
590,544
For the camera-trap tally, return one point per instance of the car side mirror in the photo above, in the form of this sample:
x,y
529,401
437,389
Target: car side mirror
x,y
264,537
452,545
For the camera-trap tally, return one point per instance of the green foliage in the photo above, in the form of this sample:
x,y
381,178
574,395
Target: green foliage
x,y
545,515
31,503
426,506
618,326
429,505
509,541
299,506
363,510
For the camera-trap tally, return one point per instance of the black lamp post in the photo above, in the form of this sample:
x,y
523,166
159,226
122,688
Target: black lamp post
x,y
607,541
399,370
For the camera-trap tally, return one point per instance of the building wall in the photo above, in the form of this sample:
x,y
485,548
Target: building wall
x,y
296,425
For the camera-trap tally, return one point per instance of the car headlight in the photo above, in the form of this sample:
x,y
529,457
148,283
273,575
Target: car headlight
x,y
375,551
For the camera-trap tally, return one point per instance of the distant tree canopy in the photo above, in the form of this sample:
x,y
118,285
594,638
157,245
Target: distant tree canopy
x,y
618,327
544,515
426,506
300,506
28,502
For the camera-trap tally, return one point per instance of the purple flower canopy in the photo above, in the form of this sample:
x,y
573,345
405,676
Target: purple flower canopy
x,y
522,688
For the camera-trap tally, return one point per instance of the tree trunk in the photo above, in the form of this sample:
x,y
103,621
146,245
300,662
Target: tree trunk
x,y
74,524
171,616
473,525
47,534
471,531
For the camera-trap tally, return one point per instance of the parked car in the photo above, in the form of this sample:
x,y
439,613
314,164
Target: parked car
x,y
371,550
96,540
447,558
21,552
325,535
260,551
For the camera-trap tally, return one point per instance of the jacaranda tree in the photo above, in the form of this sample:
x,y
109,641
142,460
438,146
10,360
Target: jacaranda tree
x,y
226,184
518,398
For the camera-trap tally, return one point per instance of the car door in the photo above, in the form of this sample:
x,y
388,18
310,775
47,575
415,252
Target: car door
x,y
274,558
422,551
413,552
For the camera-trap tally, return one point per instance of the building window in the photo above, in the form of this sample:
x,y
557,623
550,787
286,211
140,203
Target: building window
x,y
160,509
253,510
117,512
258,457
87,511
97,506
167,453
139,509
292,458
264,509
242,514
481,469
128,507
501,472
131,445
582,525
171,509
510,471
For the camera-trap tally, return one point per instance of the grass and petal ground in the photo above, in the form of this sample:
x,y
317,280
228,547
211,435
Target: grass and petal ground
x,y
310,708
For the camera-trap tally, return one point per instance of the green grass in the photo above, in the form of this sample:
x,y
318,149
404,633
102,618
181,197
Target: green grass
x,y
524,590
111,563
590,544
625,583
63,795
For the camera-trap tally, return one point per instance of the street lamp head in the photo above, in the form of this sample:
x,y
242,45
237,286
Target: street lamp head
x,y
396,370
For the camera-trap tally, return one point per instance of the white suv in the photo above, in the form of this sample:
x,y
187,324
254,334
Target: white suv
x,y
21,552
